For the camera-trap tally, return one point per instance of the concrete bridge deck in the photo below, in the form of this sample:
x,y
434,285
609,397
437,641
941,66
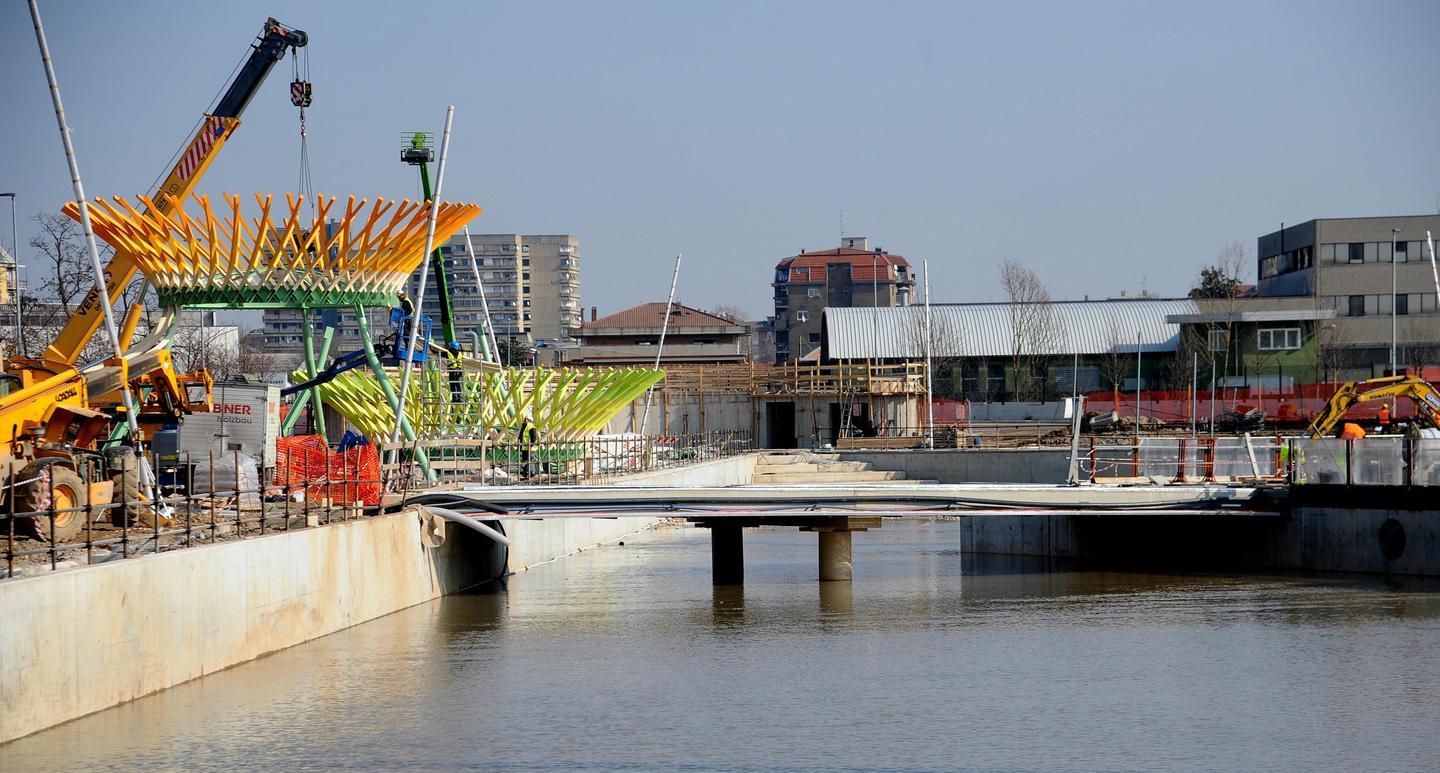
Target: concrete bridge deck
x,y
836,511
889,499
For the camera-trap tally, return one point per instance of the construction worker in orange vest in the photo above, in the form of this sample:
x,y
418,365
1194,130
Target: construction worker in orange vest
x,y
1384,418
1351,431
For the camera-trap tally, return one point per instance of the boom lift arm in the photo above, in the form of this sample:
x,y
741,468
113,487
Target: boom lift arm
x,y
1425,397
274,41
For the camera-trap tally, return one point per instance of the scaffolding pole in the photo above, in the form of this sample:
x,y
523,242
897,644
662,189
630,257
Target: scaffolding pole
x,y
409,363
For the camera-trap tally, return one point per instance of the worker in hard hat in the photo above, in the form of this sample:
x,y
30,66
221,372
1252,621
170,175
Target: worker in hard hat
x,y
1351,431
407,320
1384,423
527,437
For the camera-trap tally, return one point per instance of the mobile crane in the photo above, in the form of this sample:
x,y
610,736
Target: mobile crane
x,y
54,408
1420,391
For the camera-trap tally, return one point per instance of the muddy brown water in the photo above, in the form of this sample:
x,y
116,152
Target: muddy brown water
x,y
626,658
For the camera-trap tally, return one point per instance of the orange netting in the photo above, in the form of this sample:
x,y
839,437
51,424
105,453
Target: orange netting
x,y
351,476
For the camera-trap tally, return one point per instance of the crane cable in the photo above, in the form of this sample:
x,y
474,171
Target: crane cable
x,y
300,97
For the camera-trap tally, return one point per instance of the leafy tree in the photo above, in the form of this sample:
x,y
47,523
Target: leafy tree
x,y
513,352
1216,283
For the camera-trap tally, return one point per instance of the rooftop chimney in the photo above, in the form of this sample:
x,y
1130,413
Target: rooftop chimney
x,y
594,313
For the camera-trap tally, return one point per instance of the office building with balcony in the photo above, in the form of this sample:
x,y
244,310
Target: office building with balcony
x,y
851,275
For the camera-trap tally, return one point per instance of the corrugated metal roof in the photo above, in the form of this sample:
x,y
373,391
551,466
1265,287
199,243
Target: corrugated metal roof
x,y
985,329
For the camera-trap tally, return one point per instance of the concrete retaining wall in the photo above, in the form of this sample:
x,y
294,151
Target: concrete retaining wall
x,y
1332,539
79,641
82,640
972,465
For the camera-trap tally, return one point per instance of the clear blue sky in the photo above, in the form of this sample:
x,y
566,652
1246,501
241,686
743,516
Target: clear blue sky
x,y
1104,145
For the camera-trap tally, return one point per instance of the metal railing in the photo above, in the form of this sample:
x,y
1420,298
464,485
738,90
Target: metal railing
x,y
129,525
1368,461
1200,459
216,499
594,461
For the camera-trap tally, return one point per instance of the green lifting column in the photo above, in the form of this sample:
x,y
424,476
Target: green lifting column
x,y
389,390
293,417
316,406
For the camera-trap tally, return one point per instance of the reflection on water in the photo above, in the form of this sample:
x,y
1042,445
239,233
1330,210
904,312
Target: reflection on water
x,y
627,657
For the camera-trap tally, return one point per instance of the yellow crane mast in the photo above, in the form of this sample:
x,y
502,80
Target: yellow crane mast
x,y
48,405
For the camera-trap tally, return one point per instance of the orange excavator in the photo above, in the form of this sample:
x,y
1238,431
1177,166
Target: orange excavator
x,y
55,412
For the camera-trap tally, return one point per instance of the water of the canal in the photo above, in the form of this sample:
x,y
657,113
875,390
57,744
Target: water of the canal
x,y
626,658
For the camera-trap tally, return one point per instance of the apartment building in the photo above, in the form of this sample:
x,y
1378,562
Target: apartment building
x,y
851,275
531,282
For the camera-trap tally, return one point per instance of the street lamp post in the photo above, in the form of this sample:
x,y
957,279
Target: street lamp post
x,y
1393,288
15,256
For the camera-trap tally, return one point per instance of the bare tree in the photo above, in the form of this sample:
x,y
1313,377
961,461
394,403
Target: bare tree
x,y
253,359
1218,292
61,249
1034,331
944,343
1116,364
1419,351
198,347
733,313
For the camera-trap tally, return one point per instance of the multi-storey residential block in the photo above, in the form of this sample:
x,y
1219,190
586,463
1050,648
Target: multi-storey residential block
x,y
531,282
849,275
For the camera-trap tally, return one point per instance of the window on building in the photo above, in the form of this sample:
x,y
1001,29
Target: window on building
x,y
1218,340
1356,252
1384,252
1401,252
814,338
1402,304
1357,306
812,292
1278,338
802,316
1327,253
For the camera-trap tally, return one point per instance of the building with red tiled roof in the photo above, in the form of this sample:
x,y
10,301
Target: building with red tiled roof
x,y
630,337
852,274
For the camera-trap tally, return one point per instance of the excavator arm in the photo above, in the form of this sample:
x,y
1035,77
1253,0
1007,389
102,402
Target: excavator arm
x,y
214,131
1420,391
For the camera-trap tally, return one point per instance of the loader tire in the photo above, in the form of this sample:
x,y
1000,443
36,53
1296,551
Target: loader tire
x,y
36,496
125,474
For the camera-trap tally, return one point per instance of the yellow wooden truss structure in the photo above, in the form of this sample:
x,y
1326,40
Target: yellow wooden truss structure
x,y
325,255
562,404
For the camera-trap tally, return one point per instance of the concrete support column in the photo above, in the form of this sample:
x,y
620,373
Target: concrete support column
x,y
835,556
727,554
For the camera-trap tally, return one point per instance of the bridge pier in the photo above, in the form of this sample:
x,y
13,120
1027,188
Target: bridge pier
x,y
727,554
727,545
835,564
